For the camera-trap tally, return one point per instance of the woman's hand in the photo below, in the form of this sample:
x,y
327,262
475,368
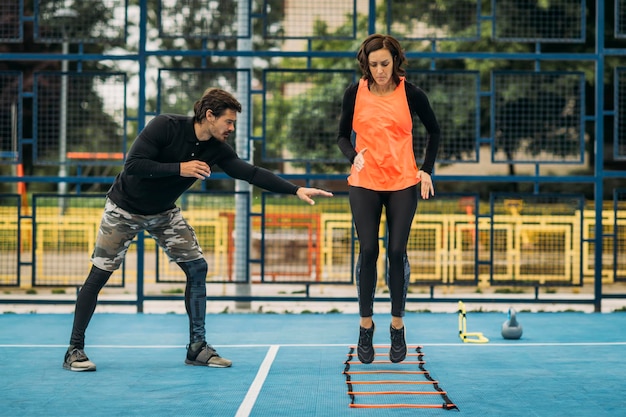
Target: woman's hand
x,y
426,183
359,160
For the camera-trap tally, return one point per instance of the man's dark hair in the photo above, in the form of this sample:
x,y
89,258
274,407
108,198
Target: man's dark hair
x,y
216,100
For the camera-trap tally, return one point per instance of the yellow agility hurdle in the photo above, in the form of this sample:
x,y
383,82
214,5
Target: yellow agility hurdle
x,y
473,337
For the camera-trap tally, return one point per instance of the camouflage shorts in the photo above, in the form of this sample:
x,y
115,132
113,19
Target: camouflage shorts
x,y
119,227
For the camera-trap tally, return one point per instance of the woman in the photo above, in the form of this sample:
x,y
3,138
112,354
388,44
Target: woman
x,y
384,173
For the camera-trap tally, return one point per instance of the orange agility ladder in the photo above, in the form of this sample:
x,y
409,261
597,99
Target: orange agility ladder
x,y
401,374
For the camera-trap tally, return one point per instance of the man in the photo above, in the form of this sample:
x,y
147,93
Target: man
x,y
168,156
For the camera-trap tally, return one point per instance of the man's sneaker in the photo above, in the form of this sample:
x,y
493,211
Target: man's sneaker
x,y
206,356
365,349
77,361
397,352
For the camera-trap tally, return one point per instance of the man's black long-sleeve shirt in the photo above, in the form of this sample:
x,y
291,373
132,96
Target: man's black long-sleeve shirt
x,y
150,182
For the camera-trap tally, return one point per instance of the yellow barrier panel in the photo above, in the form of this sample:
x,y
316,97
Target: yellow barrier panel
x,y
336,232
541,249
57,247
213,239
467,337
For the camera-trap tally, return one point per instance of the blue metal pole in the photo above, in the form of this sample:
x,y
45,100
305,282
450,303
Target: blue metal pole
x,y
599,155
141,119
244,190
371,24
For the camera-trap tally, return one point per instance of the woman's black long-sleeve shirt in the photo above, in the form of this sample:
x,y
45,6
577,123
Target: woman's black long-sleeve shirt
x,y
150,182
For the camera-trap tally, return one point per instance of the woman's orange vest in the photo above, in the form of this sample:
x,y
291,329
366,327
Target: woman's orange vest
x,y
384,126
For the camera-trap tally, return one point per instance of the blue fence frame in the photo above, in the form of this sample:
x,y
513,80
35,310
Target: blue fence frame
x,y
597,116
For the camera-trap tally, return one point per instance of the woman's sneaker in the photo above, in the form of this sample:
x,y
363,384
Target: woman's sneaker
x,y
397,352
77,361
365,349
205,355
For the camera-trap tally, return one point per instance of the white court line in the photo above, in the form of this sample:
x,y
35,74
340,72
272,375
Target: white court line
x,y
307,345
257,384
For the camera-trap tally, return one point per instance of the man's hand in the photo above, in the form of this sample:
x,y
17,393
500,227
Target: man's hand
x,y
426,183
196,169
305,194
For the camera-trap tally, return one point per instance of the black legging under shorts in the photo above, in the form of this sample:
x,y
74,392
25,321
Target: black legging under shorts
x,y
367,208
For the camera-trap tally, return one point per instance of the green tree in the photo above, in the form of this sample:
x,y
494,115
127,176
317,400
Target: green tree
x,y
313,119
88,18
311,126
185,77
541,117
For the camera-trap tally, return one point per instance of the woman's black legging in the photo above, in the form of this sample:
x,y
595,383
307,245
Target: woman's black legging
x,y
367,208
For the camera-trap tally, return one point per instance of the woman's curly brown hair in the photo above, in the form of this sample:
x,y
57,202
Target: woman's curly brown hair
x,y
374,43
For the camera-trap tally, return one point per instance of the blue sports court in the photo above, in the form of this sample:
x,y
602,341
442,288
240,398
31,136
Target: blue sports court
x,y
565,364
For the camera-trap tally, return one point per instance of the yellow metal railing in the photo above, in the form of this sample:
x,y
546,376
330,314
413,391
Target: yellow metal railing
x,y
442,248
